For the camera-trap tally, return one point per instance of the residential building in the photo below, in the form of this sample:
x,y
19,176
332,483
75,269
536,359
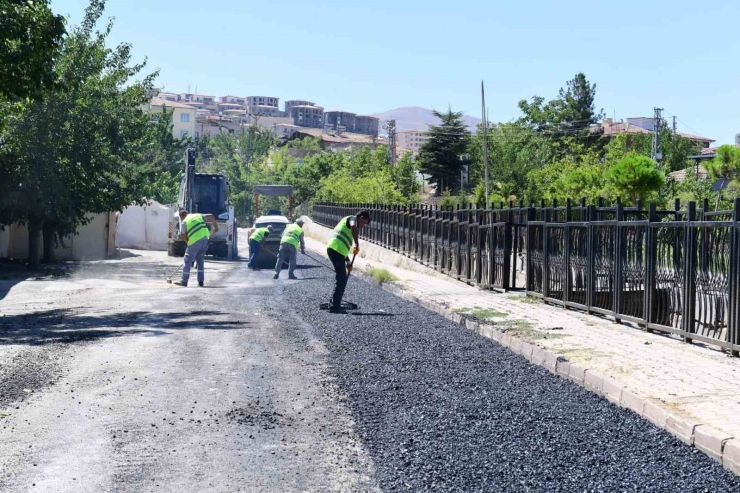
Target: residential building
x,y
264,110
410,140
285,130
167,96
296,102
183,116
268,122
340,120
367,125
307,116
198,100
255,102
241,101
643,125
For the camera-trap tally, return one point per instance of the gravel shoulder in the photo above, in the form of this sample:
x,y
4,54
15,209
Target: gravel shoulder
x,y
442,409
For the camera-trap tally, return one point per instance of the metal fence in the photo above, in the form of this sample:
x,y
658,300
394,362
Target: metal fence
x,y
674,271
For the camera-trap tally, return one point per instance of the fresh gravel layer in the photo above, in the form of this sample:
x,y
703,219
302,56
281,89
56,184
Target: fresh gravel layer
x,y
442,409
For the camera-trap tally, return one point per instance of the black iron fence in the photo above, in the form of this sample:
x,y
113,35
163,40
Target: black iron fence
x,y
674,271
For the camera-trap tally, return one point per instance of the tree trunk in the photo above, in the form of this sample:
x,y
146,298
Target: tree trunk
x,y
48,230
34,234
719,194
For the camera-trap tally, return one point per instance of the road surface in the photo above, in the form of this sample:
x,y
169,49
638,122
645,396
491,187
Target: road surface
x,y
112,380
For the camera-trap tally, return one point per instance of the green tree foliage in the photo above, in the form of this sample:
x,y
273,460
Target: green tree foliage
x,y
569,115
724,166
163,159
635,177
308,143
440,156
405,178
30,39
77,149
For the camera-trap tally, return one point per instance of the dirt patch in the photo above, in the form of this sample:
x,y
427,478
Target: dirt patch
x,y
253,415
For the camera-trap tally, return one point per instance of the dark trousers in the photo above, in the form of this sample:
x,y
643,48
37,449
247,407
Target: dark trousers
x,y
254,247
340,268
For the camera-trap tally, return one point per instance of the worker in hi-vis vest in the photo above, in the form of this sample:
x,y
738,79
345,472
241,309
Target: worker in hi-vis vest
x,y
291,240
194,231
256,240
338,248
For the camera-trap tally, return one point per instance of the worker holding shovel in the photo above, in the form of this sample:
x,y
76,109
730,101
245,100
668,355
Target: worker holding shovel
x,y
340,243
256,240
291,240
194,231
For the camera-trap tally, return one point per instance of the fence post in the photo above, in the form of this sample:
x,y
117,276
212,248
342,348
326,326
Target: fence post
x,y
690,252
651,260
546,254
566,254
618,256
733,329
591,260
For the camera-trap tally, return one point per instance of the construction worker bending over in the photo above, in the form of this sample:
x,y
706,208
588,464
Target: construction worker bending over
x,y
255,244
338,249
292,238
194,231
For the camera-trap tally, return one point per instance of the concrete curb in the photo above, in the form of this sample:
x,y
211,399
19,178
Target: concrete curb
x,y
718,445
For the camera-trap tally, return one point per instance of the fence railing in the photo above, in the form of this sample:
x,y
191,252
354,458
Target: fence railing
x,y
673,271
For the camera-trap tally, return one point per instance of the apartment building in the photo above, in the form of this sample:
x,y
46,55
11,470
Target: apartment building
x,y
291,103
411,140
241,101
183,116
367,125
307,116
337,120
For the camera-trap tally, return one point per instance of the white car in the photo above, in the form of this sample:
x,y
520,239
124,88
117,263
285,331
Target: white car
x,y
268,254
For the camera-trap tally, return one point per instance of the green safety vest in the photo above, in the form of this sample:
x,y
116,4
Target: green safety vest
x,y
196,228
341,238
292,235
259,233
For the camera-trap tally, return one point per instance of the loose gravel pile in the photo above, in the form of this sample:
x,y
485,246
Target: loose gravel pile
x,y
443,409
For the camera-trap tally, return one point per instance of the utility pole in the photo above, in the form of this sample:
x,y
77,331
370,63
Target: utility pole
x,y
657,122
485,138
674,124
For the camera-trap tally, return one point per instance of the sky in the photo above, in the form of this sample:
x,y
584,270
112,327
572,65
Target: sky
x,y
373,56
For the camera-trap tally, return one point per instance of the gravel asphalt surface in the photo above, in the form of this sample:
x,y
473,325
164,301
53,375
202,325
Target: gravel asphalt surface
x,y
112,380
443,409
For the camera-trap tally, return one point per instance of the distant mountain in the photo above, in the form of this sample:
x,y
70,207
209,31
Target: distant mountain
x,y
416,118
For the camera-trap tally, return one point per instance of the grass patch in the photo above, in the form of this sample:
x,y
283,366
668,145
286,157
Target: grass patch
x,y
526,299
525,330
381,275
487,313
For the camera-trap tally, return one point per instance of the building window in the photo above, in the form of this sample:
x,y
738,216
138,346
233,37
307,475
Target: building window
x,y
185,117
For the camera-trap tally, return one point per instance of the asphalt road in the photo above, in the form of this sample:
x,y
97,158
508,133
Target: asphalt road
x,y
112,380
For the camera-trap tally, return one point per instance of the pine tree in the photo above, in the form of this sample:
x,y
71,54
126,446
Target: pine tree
x,y
440,156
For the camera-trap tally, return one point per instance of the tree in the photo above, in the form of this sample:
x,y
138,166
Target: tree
x,y
77,149
724,166
635,177
440,156
163,159
30,38
572,113
404,176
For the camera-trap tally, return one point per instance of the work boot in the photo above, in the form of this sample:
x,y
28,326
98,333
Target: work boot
x,y
200,284
180,283
335,309
292,277
276,276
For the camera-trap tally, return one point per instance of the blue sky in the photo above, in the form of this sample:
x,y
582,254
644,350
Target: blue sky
x,y
373,56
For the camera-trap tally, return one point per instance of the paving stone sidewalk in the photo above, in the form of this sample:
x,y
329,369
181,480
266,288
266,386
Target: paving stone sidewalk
x,y
657,375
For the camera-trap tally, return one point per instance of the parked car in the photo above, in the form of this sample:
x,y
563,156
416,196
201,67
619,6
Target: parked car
x,y
268,254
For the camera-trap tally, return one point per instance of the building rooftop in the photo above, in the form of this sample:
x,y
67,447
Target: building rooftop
x,y
309,107
345,137
341,111
172,104
629,128
367,116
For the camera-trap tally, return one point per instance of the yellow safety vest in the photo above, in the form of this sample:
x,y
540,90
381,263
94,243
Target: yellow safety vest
x,y
259,233
341,238
196,228
292,235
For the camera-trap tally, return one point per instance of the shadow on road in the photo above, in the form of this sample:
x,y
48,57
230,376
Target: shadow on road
x,y
67,326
